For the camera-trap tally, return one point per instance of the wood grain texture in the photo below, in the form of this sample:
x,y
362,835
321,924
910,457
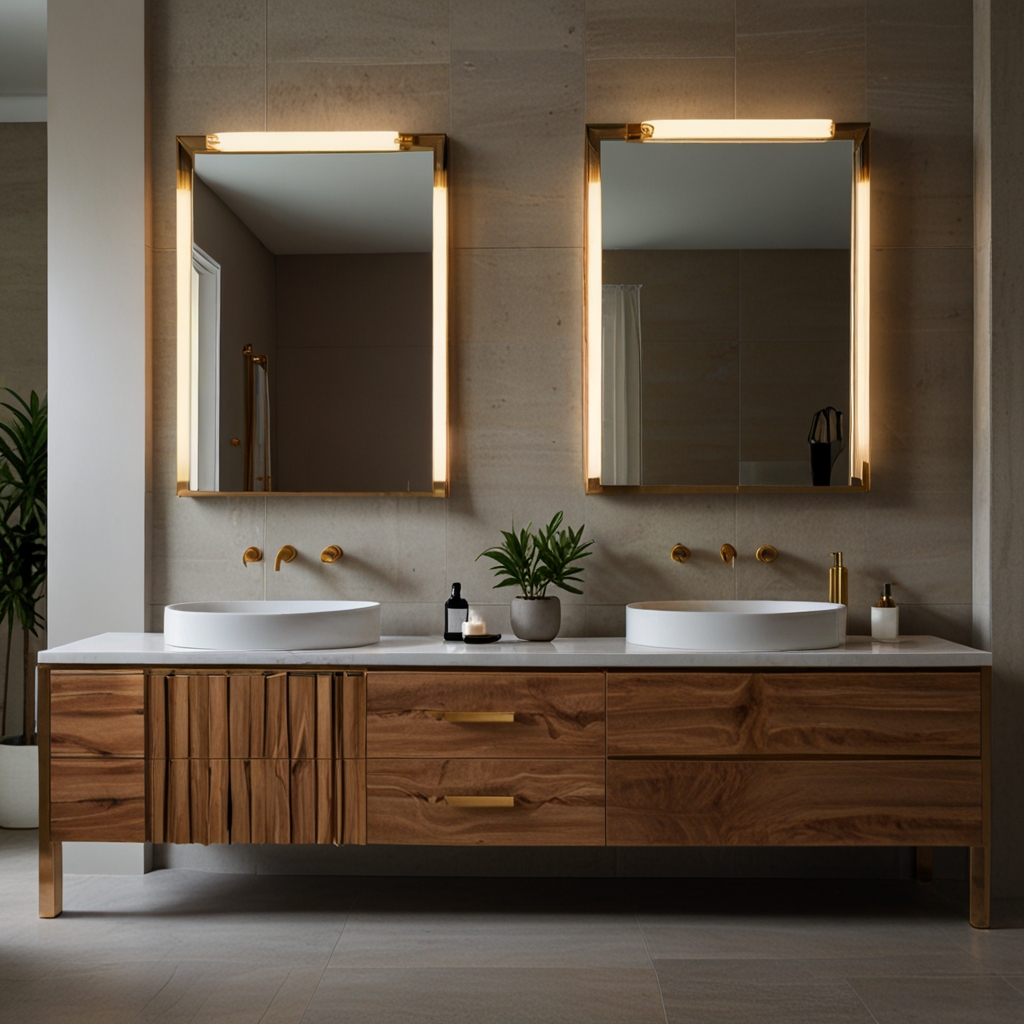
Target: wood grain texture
x,y
353,715
178,803
326,727
239,711
794,803
555,714
199,716
302,800
219,723
353,801
558,802
301,716
97,714
177,716
51,871
156,715
241,800
98,800
156,800
704,714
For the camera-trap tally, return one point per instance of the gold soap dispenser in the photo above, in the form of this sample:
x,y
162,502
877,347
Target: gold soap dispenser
x,y
838,580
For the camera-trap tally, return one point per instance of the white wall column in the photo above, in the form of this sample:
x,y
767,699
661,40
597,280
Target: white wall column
x,y
97,315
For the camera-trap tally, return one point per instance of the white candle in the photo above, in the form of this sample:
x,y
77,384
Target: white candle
x,y
474,625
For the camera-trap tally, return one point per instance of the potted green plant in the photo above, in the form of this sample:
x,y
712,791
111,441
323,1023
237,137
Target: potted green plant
x,y
533,562
22,578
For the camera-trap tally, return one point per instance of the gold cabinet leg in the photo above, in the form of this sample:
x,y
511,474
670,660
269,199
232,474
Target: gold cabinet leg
x,y
51,879
923,868
980,894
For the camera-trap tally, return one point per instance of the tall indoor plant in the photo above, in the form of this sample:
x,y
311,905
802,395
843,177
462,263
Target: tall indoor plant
x,y
22,579
533,561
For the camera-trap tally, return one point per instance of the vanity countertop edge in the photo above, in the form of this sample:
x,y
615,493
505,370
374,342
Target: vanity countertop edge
x,y
859,652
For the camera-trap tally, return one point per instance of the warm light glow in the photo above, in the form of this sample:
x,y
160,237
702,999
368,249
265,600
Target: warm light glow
x,y
594,326
725,130
184,254
861,337
303,142
439,359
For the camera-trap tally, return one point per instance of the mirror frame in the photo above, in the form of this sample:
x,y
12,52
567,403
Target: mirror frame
x,y
314,142
738,131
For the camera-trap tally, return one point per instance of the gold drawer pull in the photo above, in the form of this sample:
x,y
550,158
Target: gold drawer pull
x,y
474,716
480,801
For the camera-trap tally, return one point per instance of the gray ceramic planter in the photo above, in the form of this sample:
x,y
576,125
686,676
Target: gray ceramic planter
x,y
536,618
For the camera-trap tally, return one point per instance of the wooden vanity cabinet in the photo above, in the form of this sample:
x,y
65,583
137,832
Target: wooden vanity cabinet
x,y
515,758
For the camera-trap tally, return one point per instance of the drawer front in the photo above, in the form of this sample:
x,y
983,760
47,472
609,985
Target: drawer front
x,y
279,715
796,803
97,714
501,714
262,800
699,714
452,802
98,800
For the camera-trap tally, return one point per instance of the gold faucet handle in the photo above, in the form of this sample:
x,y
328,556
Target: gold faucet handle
x,y
680,553
766,553
286,554
252,554
331,553
728,553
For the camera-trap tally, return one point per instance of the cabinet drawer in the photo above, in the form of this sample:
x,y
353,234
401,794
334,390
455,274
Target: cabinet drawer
x,y
97,714
794,803
547,802
696,714
437,714
98,800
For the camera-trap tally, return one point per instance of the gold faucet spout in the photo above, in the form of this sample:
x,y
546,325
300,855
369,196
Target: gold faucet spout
x,y
286,554
728,553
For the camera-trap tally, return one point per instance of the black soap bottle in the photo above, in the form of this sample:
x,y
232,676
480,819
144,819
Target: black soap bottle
x,y
456,612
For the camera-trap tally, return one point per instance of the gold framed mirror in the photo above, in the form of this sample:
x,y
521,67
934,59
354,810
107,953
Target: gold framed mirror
x,y
312,310
726,309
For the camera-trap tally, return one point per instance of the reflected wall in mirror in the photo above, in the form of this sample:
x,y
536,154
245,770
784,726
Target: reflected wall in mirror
x,y
726,306
312,314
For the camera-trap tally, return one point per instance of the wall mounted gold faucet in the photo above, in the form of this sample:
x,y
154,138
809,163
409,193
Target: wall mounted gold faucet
x,y
331,553
728,553
680,553
286,554
252,554
766,553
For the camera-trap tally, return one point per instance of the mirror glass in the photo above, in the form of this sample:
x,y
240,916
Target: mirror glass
x,y
726,313
313,335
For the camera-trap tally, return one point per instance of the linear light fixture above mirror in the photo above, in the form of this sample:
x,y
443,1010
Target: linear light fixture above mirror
x,y
739,131
369,142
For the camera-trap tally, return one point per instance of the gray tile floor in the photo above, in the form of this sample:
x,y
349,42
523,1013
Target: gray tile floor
x,y
178,946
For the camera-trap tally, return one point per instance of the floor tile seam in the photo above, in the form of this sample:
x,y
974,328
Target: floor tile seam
x,y
532,968
657,976
665,56
862,1002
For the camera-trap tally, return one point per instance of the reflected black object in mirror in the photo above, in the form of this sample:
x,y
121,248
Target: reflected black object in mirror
x,y
826,440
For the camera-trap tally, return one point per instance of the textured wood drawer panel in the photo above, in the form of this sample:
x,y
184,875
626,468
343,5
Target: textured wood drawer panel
x,y
281,715
98,800
556,714
259,800
97,714
836,713
794,803
557,802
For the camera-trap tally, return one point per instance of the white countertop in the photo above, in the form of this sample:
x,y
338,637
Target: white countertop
x,y
587,652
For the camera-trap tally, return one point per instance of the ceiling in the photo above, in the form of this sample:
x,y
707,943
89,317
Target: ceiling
x,y
305,203
726,195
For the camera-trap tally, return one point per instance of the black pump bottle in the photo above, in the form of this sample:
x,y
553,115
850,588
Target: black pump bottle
x,y
456,612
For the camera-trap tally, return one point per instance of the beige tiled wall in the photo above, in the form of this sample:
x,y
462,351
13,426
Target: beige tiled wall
x,y
514,82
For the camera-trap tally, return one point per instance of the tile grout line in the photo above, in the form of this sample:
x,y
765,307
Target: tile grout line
x,y
657,977
861,998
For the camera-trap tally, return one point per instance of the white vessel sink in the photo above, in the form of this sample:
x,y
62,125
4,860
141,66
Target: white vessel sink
x,y
736,625
272,625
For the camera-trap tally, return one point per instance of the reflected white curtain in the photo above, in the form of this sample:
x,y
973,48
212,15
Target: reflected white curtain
x,y
260,468
621,362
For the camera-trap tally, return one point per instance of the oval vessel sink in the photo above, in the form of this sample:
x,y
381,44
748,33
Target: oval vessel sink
x,y
736,625
272,625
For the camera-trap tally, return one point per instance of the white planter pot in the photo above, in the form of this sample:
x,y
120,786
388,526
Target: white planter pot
x,y
536,618
19,784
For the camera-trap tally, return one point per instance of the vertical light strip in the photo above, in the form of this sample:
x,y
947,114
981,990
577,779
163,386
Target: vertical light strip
x,y
861,338
594,283
439,361
184,263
